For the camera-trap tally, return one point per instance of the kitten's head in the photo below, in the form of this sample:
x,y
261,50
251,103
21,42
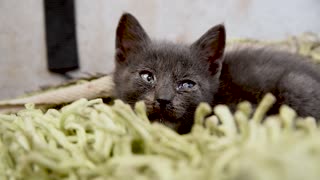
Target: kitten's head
x,y
171,79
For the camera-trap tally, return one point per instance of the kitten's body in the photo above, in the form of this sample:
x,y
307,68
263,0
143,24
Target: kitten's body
x,y
173,79
250,73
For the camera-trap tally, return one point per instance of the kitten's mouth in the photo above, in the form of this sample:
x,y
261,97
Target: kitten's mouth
x,y
157,116
169,117
164,119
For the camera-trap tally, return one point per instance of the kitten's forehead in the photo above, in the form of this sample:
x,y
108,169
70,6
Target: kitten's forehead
x,y
167,49
166,58
170,58
169,55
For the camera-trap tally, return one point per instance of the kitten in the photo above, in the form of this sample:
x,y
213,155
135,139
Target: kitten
x,y
173,79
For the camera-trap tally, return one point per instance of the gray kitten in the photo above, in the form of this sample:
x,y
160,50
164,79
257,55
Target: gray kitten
x,y
173,79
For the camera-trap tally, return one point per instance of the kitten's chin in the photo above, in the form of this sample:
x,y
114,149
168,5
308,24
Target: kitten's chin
x,y
167,121
173,126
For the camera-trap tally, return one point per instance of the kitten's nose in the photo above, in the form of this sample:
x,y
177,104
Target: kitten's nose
x,y
164,96
163,101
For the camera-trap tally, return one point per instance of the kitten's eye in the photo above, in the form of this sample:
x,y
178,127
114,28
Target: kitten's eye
x,y
186,84
147,77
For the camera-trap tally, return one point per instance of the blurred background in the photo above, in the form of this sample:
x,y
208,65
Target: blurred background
x,y
24,41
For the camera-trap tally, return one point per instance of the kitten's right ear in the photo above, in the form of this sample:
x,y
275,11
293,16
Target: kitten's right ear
x,y
130,36
210,46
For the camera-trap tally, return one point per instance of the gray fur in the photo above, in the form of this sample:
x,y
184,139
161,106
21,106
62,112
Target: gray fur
x,y
227,78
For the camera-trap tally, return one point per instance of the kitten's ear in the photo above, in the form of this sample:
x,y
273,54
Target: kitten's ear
x,y
129,36
210,46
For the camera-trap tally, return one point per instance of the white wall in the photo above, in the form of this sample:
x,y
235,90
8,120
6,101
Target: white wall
x,y
22,44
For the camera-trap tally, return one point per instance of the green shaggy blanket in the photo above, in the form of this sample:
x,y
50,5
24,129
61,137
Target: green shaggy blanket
x,y
92,140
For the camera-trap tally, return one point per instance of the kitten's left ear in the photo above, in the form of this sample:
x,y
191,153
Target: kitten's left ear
x,y
210,46
130,36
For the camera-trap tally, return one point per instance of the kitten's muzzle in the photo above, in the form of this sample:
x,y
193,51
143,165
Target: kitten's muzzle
x,y
163,102
164,97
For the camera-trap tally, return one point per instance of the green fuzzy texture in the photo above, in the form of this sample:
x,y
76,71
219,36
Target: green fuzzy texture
x,y
92,140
